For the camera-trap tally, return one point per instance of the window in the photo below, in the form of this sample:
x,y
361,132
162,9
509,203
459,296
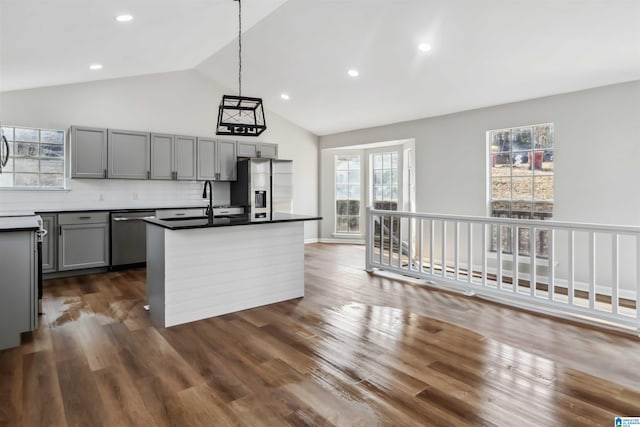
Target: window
x,y
385,180
521,164
36,158
347,193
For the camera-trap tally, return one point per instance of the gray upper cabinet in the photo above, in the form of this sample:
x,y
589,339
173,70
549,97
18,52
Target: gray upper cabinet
x,y
49,243
185,157
268,150
216,160
226,160
247,149
162,147
173,157
88,152
257,149
129,154
83,240
206,159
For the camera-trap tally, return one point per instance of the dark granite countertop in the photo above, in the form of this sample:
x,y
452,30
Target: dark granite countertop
x,y
234,220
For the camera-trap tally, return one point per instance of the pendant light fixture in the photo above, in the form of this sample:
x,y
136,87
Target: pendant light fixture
x,y
240,115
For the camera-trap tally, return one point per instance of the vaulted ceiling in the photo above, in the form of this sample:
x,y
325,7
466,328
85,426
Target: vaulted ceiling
x,y
483,52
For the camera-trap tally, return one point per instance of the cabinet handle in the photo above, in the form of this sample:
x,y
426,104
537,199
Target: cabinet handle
x,y
60,230
148,174
175,176
84,217
104,173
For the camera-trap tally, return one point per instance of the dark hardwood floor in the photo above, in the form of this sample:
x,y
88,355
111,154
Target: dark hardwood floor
x,y
359,349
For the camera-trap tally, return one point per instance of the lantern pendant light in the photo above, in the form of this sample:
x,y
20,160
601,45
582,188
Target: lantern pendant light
x,y
240,115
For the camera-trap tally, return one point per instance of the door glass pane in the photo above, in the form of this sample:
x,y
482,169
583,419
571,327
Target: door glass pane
x,y
521,188
501,189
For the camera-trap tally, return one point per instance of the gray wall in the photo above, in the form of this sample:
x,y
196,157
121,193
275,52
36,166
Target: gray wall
x,y
597,149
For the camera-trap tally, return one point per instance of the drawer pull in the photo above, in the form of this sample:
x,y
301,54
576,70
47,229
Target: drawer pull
x,y
84,217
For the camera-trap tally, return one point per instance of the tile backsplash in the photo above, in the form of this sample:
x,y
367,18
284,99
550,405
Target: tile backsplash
x,y
113,194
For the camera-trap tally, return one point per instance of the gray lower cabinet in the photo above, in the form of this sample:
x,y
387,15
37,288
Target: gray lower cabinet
x,y
83,240
50,243
128,154
18,286
257,149
173,157
216,160
88,152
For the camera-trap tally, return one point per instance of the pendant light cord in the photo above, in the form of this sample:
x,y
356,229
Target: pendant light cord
x,y
239,47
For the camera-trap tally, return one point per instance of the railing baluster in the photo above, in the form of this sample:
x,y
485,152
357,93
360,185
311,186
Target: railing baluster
x,y
421,243
499,266
456,251
369,239
444,248
409,244
572,266
431,244
638,278
381,239
532,261
592,270
551,267
484,254
470,253
515,252
399,242
615,266
391,234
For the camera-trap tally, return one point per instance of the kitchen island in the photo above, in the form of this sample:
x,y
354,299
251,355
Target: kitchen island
x,y
198,269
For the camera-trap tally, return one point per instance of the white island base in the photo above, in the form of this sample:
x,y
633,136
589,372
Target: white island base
x,y
197,273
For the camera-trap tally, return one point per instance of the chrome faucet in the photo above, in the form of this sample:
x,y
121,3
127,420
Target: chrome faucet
x,y
204,196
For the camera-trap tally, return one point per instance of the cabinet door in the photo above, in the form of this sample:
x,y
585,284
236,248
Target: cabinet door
x,y
49,243
128,155
226,154
162,156
206,159
185,157
247,149
88,152
83,246
18,287
268,150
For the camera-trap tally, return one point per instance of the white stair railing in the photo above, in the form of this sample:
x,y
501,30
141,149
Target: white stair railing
x,y
586,271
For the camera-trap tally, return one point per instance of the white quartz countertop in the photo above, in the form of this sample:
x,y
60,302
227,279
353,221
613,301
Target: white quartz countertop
x,y
17,223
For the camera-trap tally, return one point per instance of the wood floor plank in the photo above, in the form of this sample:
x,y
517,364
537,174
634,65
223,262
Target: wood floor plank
x,y
358,350
41,390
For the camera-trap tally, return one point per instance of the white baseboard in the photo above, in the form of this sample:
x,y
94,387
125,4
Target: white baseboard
x,y
345,241
312,240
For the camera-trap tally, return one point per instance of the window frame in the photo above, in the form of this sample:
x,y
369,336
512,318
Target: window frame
x,y
39,158
360,231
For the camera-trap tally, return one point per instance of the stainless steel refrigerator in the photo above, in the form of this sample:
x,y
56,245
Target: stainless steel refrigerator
x,y
263,186
282,186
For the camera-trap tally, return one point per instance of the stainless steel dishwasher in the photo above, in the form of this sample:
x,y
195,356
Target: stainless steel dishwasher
x,y
129,237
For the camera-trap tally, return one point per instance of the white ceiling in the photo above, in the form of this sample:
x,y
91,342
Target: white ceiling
x,y
485,52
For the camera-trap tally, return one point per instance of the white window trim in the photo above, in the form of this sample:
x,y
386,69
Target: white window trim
x,y
65,186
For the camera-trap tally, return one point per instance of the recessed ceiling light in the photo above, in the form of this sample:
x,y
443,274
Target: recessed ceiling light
x,y
124,18
353,72
284,96
95,66
424,47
